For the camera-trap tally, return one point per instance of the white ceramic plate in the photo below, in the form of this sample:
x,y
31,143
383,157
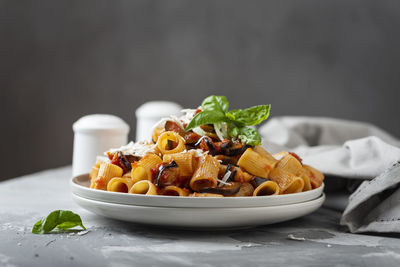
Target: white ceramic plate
x,y
200,217
80,187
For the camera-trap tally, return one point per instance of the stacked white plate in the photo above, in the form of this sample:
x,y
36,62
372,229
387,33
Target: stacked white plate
x,y
195,212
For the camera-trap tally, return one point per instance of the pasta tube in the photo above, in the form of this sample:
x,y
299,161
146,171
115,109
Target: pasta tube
x,y
263,152
95,170
170,142
144,187
118,184
256,164
306,180
288,182
206,174
290,164
141,170
280,155
185,161
172,190
316,177
106,172
267,188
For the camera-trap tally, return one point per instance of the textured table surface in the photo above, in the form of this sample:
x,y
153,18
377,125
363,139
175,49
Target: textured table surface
x,y
314,240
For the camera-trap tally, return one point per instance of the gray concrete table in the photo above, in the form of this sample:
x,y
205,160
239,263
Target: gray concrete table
x,y
314,240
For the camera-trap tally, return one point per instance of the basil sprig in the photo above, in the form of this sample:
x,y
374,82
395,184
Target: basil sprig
x,y
215,109
63,220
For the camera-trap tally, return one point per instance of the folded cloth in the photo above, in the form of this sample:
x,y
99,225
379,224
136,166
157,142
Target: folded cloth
x,y
352,150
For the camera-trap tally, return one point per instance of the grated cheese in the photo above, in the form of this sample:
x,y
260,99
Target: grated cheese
x,y
198,152
139,149
189,114
222,182
224,179
184,119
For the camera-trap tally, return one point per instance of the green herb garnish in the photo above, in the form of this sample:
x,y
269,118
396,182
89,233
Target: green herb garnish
x,y
63,220
215,110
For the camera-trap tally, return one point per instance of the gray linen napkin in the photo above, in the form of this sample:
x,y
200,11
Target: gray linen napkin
x,y
351,150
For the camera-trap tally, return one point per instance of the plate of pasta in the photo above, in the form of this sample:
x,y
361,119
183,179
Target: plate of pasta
x,y
208,159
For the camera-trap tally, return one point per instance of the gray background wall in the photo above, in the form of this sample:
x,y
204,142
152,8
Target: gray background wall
x,y
60,60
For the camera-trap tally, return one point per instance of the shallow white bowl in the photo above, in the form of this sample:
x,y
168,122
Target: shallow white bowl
x,y
80,187
200,217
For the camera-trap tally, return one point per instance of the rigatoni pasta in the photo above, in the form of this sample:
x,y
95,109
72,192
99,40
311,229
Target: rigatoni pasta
x,y
106,172
122,185
255,163
288,182
185,161
290,163
173,190
170,143
141,170
316,177
206,174
143,187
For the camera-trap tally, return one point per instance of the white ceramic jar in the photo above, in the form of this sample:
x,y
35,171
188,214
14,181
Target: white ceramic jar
x,y
93,135
150,113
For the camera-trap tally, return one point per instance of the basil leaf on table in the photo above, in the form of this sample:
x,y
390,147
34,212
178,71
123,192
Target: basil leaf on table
x,y
215,103
60,219
206,117
249,116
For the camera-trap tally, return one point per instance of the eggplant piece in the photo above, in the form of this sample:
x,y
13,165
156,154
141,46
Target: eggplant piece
x,y
233,173
225,146
243,149
191,137
256,181
209,128
132,158
227,159
211,147
161,169
171,144
206,143
173,126
233,148
124,161
237,150
226,190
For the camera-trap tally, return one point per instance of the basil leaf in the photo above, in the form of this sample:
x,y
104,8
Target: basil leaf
x,y
247,135
249,116
206,117
215,103
61,219
234,132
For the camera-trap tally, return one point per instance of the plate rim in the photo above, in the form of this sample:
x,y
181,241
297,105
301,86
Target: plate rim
x,y
187,218
322,196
